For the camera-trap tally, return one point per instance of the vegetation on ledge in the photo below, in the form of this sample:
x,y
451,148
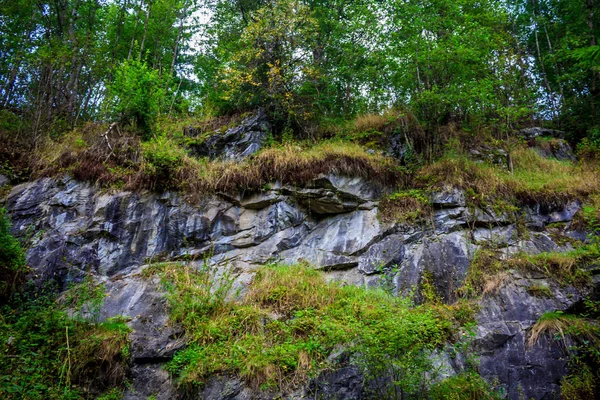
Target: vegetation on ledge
x,y
291,320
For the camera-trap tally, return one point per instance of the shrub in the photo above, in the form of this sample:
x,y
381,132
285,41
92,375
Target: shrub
x,y
12,259
163,159
47,354
136,95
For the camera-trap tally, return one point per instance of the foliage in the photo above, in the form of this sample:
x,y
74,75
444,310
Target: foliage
x,y
12,259
136,95
47,354
465,386
405,206
290,321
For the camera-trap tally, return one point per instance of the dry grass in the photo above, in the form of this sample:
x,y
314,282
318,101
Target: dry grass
x,y
119,159
557,324
535,179
292,164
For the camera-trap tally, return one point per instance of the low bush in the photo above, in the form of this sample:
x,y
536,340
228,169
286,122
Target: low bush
x,y
45,353
12,259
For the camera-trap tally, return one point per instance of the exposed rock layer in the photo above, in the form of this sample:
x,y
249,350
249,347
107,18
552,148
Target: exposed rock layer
x,y
74,228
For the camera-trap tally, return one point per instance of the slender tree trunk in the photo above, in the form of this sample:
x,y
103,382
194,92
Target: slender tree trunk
x,y
145,30
595,75
179,36
133,33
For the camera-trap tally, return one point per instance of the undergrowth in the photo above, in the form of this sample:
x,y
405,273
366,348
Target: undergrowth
x,y
292,319
13,268
51,350
406,206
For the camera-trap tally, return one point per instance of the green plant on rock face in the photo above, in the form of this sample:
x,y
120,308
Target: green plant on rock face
x,y
291,320
12,259
45,353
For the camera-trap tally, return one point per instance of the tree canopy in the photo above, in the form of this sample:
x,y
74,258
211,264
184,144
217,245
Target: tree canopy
x,y
474,62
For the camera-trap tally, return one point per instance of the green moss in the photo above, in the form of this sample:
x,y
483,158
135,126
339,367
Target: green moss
x,y
291,320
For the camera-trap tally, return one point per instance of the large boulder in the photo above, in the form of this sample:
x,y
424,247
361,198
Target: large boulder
x,y
238,142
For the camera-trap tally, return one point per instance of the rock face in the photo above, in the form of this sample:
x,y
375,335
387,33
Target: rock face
x,y
532,133
332,223
238,142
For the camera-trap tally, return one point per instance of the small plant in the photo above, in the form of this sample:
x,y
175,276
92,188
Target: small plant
x,y
405,206
540,291
12,259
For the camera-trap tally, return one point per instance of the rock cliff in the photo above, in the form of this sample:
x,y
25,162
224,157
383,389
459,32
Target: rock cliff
x,y
74,228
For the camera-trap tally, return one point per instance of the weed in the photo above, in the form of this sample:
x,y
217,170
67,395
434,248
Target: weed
x,y
405,206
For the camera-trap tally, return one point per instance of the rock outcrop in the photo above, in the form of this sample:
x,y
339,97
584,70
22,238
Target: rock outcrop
x,y
73,228
238,142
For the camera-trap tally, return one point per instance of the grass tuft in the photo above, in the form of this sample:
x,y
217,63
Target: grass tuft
x,y
557,324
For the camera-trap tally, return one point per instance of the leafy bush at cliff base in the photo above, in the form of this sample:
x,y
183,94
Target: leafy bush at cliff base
x,y
290,322
12,259
47,354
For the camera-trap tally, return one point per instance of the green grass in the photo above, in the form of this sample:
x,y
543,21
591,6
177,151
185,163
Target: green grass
x,y
292,319
47,352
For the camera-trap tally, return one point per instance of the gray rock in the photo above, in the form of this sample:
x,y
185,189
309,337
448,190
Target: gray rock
x,y
239,142
4,180
343,383
448,197
532,133
502,333
150,380
75,229
333,194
